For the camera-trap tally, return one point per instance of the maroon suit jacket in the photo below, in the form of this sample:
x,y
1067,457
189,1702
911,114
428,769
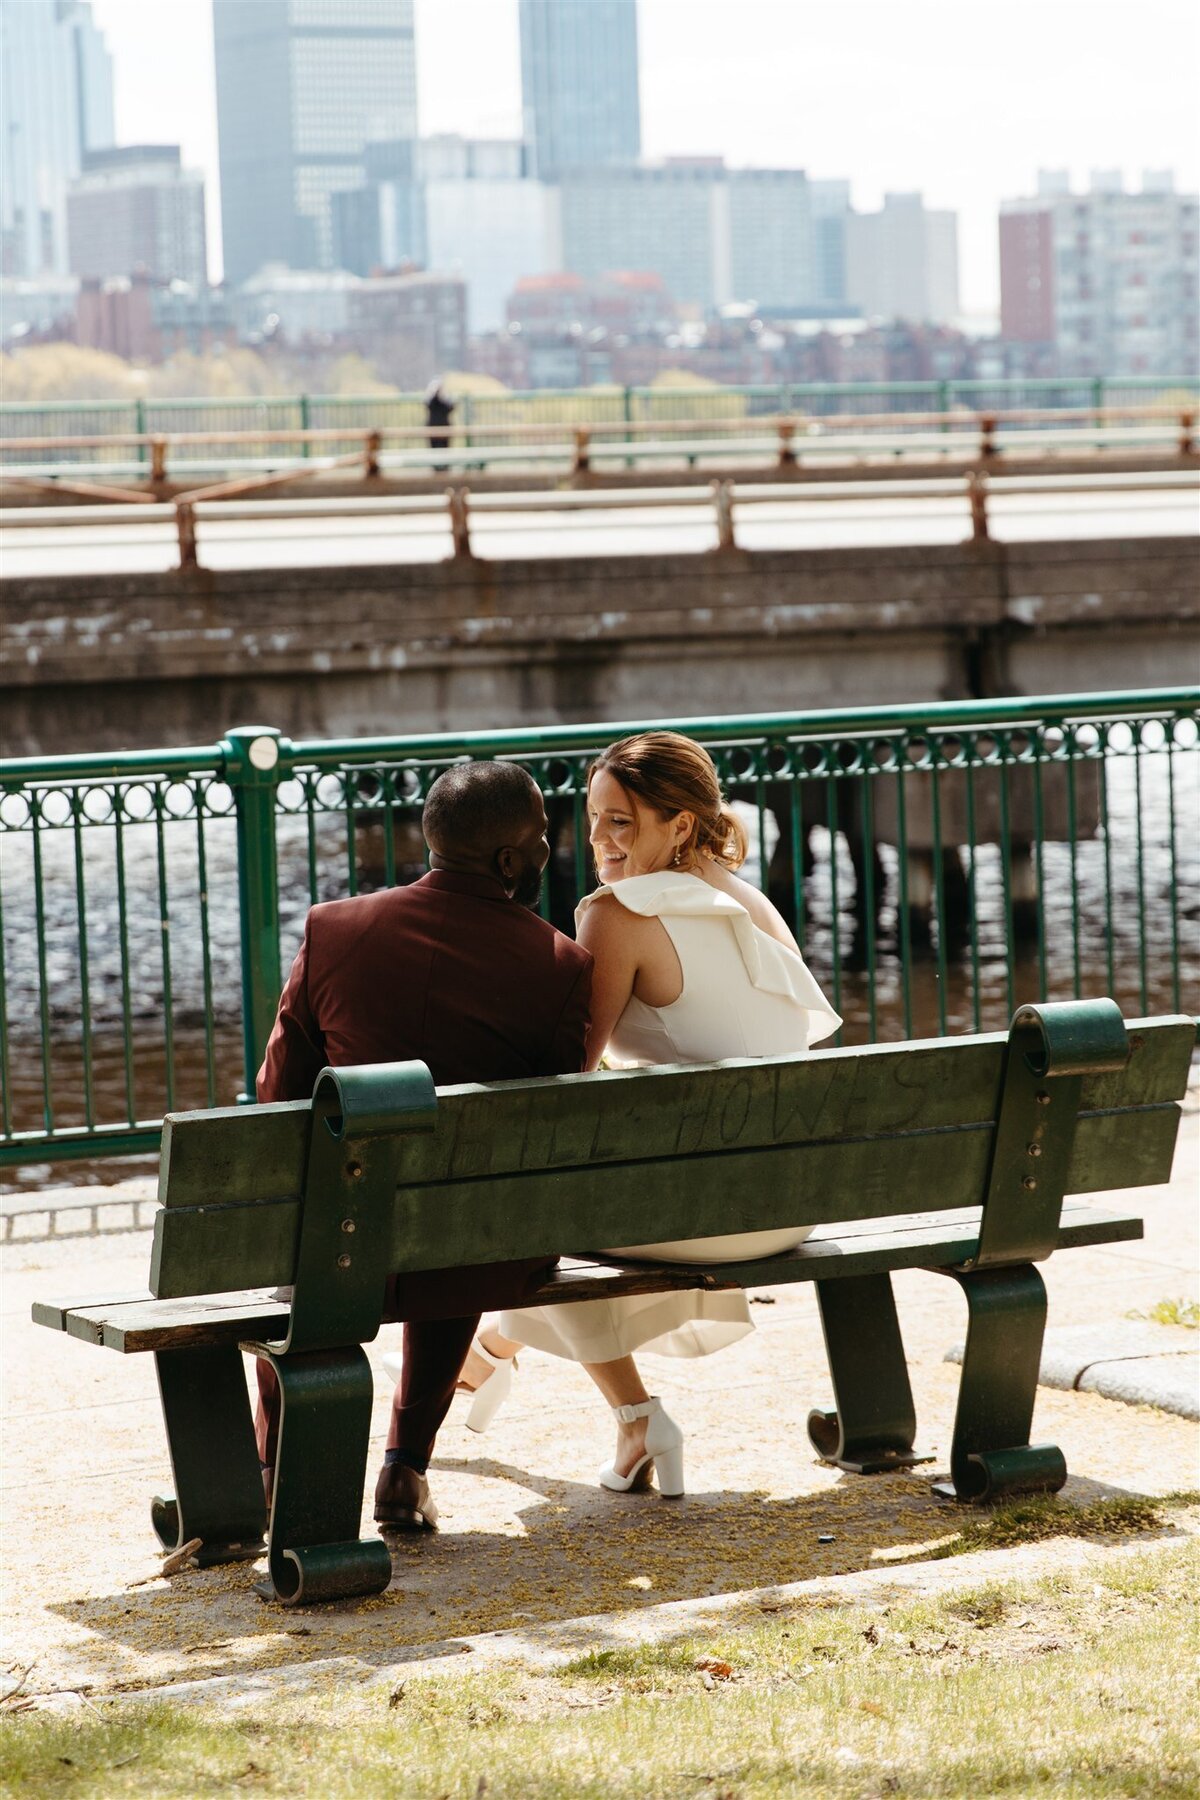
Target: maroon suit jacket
x,y
448,971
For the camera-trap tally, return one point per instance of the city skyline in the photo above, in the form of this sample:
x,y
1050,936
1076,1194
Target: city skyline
x,y
1099,79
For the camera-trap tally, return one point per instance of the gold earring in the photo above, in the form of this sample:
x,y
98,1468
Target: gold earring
x,y
678,856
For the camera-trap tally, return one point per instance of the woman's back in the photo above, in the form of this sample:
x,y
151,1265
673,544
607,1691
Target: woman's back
x,y
744,993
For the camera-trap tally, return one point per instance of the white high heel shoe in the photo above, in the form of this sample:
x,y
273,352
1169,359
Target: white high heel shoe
x,y
487,1398
664,1451
490,1395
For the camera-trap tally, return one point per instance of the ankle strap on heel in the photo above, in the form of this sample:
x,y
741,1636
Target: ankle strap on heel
x,y
625,1415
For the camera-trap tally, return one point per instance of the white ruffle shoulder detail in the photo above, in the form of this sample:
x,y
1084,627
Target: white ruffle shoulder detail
x,y
726,960
744,994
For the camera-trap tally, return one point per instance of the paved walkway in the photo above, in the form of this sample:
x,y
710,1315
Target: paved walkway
x,y
529,1540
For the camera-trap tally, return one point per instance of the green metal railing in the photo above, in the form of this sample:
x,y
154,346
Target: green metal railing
x,y
490,413
939,864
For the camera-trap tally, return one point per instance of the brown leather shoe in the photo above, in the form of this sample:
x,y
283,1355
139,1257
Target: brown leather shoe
x,y
403,1501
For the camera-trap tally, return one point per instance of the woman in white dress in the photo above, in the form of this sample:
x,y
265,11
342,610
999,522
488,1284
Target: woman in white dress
x,y
691,965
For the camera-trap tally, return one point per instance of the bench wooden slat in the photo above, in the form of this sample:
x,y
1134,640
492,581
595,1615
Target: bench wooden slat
x,y
869,1252
191,1321
529,1215
233,1154
54,1313
137,1328
914,1242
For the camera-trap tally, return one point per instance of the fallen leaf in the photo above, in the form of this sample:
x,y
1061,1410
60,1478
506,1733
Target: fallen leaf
x,y
872,1706
712,1665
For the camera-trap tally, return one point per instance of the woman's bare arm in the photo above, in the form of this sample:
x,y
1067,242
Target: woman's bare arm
x,y
609,932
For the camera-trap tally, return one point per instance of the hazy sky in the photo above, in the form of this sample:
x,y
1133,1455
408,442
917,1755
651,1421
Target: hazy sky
x,y
962,99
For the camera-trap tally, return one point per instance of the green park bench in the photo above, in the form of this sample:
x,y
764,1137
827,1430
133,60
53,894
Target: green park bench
x,y
952,1155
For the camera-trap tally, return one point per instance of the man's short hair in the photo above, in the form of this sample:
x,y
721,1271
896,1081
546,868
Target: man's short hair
x,y
477,808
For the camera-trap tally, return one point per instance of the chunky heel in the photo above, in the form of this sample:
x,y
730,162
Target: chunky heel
x,y
491,1394
668,1466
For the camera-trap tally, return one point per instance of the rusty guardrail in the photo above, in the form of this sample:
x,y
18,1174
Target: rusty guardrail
x,y
228,502
790,439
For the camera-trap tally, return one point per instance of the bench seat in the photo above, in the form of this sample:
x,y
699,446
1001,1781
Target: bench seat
x,y
137,1322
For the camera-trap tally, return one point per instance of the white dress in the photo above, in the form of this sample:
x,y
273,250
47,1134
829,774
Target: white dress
x,y
744,994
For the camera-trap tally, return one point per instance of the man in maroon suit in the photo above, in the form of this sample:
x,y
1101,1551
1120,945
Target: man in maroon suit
x,y
455,971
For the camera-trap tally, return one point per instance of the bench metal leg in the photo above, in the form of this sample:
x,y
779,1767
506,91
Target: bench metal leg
x,y
991,1455
320,1466
874,1424
210,1434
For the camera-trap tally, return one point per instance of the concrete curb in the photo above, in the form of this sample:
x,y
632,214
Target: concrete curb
x,y
1171,1383
1141,1364
548,1647
77,1212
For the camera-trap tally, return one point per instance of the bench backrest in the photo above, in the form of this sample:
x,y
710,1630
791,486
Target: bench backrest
x,y
577,1163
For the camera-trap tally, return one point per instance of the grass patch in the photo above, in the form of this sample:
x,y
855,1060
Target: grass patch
x,y
632,1664
1078,1684
1042,1516
1172,1312
983,1607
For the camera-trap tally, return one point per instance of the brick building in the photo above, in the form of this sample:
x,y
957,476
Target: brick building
x,y
1107,279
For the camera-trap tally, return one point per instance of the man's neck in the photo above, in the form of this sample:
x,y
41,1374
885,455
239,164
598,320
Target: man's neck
x,y
476,867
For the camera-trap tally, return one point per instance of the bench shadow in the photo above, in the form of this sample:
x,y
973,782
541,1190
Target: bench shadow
x,y
568,1552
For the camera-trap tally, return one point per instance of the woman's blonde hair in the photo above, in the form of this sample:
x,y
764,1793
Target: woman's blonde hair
x,y
673,774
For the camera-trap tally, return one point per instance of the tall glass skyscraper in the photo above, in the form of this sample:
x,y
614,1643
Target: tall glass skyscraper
x,y
56,102
579,84
303,86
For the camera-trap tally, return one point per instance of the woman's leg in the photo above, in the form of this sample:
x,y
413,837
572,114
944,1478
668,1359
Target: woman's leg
x,y
474,1370
621,1385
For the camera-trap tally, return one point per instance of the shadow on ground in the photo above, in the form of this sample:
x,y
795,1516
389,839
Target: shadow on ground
x,y
572,1551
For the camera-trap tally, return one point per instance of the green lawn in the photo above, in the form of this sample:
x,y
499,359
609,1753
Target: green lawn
x,y
1073,1684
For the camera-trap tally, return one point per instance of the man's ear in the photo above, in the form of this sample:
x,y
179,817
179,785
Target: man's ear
x,y
507,865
